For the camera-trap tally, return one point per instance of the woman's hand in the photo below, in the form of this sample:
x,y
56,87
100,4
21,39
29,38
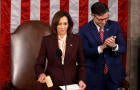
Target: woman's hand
x,y
82,85
41,78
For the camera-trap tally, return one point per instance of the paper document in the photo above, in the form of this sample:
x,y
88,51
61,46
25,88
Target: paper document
x,y
70,87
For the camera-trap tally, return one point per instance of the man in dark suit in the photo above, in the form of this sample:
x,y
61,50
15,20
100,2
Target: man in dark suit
x,y
103,45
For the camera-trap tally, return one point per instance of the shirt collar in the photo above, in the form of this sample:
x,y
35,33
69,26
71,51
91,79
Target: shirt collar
x,y
63,39
97,26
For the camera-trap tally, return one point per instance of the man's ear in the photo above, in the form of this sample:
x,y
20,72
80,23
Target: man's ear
x,y
92,15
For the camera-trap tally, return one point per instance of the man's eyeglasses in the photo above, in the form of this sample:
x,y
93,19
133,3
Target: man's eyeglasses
x,y
100,20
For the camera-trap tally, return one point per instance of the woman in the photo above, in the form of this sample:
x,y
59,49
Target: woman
x,y
64,53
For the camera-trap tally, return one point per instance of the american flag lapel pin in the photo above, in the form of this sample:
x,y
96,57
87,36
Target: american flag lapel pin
x,y
71,45
107,29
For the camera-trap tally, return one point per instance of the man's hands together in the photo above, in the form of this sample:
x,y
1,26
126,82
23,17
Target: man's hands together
x,y
110,41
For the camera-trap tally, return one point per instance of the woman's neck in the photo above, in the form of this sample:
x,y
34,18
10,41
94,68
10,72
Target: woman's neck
x,y
62,36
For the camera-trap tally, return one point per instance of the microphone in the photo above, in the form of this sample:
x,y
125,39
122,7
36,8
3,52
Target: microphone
x,y
59,54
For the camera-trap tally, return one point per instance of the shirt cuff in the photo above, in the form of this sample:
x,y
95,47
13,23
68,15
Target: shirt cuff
x,y
115,48
100,50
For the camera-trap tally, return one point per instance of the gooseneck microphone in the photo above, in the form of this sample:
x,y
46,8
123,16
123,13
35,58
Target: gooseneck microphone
x,y
59,55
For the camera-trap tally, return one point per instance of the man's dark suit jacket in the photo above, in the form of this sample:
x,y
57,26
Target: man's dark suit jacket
x,y
94,60
73,55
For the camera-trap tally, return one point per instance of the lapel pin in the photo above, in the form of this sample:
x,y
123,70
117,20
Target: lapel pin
x,y
71,45
107,29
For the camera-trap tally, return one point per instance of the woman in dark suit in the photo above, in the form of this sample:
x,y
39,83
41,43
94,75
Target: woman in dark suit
x,y
64,53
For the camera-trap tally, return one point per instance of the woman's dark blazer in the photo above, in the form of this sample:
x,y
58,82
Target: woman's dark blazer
x,y
74,65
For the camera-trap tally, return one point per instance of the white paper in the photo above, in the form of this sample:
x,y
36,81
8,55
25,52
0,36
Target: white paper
x,y
70,87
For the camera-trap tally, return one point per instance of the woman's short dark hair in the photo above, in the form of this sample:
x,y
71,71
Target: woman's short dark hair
x,y
56,19
99,8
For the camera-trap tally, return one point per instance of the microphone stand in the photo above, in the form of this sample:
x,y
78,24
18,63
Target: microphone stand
x,y
64,77
59,54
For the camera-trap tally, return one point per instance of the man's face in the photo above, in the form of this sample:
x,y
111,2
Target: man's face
x,y
100,20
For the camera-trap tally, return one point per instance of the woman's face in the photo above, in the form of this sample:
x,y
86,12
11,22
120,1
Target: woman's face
x,y
62,26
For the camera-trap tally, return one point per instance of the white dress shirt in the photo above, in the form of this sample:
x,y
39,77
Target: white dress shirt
x,y
62,46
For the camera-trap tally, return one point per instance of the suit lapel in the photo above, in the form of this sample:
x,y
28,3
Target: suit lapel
x,y
106,31
94,32
55,42
55,48
68,50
